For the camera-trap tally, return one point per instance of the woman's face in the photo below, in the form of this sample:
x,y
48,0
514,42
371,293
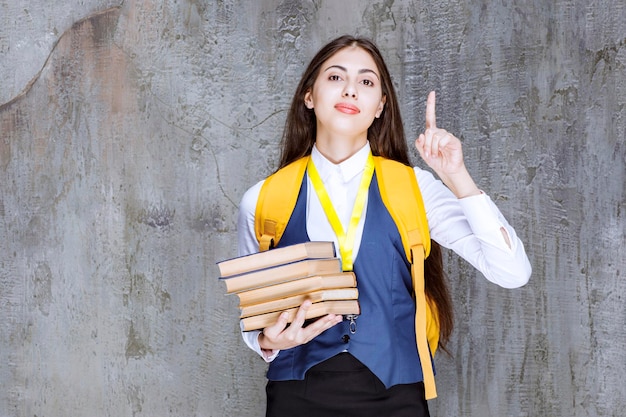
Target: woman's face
x,y
346,95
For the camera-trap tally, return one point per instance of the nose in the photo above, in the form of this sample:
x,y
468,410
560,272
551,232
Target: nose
x,y
349,91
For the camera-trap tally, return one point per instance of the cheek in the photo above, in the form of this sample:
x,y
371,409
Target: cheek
x,y
376,104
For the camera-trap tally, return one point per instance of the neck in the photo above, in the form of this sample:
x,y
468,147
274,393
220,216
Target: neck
x,y
337,150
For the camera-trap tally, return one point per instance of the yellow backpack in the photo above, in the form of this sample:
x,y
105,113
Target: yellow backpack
x,y
402,198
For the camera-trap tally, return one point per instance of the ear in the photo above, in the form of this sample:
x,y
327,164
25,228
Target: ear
x,y
381,106
308,100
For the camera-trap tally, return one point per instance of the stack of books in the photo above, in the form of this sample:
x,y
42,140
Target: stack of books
x,y
268,283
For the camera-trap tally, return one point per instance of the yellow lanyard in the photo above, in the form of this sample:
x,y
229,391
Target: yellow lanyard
x,y
346,240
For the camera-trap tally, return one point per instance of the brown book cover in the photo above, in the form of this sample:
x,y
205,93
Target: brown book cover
x,y
297,287
281,273
282,304
322,308
274,257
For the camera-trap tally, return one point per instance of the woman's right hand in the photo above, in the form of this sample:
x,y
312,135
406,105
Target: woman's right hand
x,y
280,336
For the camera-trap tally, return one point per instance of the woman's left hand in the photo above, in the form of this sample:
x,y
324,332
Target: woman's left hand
x,y
442,151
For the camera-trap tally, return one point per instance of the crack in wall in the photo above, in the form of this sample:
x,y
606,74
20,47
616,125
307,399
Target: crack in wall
x,y
32,82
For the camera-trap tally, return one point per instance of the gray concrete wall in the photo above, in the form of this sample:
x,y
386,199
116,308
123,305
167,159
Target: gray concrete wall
x,y
129,131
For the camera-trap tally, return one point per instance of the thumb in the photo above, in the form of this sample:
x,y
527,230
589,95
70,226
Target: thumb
x,y
419,144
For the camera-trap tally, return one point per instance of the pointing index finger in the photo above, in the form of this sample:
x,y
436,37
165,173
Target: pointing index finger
x,y
431,120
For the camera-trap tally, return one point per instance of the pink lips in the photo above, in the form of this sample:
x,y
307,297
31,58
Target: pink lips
x,y
347,108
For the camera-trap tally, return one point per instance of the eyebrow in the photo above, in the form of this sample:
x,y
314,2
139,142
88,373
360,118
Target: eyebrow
x,y
361,71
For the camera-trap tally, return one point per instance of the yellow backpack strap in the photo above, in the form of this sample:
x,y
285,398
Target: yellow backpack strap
x,y
407,210
277,200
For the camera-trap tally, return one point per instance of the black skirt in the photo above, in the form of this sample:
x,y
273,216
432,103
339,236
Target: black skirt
x,y
343,387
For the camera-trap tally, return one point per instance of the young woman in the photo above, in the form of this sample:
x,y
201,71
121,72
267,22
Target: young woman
x,y
344,110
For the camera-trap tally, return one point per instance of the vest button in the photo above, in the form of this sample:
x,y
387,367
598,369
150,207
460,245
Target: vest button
x,y
345,338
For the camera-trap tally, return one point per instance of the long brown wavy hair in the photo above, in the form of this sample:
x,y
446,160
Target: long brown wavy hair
x,y
386,138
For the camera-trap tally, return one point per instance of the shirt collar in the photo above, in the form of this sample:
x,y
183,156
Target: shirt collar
x,y
348,169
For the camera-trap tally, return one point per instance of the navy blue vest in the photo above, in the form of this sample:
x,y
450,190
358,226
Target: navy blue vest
x,y
385,337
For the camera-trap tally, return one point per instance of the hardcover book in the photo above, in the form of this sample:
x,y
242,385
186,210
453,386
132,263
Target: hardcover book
x,y
297,287
344,307
274,257
283,304
281,273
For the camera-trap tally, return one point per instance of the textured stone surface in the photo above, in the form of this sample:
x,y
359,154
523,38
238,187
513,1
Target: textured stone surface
x,y
130,130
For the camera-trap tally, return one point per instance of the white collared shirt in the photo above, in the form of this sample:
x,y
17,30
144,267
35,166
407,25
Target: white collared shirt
x,y
472,227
